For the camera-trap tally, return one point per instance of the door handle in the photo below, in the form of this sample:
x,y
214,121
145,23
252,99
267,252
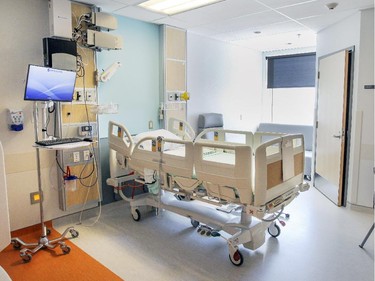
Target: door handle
x,y
341,135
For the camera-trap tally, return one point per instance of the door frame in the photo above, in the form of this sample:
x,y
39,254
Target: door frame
x,y
345,151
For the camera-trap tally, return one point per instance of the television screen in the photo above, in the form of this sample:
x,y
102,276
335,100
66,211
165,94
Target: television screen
x,y
49,84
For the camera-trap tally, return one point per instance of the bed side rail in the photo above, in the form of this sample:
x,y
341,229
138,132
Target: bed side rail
x,y
228,136
119,139
178,157
181,128
164,155
279,166
225,164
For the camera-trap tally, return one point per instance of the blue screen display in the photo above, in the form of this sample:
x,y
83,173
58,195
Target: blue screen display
x,y
49,84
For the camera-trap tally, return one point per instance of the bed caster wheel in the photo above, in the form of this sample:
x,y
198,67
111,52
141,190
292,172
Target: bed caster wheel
x,y
16,245
65,249
74,233
136,215
194,223
25,257
274,230
237,258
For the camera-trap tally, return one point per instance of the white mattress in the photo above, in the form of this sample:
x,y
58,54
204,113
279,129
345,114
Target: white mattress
x,y
220,157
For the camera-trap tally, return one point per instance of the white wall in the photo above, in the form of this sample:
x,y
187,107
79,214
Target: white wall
x,y
357,31
223,78
288,106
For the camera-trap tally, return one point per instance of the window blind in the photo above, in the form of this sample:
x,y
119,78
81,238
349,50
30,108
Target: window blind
x,y
291,71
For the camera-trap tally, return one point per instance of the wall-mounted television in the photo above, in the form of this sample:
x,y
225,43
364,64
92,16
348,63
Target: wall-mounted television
x,y
49,84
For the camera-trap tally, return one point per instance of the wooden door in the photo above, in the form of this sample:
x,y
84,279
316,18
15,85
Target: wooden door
x,y
331,130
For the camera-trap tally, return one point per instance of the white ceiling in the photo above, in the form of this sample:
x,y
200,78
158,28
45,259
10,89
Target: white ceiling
x,y
284,24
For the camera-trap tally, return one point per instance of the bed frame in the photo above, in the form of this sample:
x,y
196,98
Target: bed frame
x,y
231,185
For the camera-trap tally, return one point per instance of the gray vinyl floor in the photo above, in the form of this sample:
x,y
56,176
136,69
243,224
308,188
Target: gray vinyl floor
x,y
319,242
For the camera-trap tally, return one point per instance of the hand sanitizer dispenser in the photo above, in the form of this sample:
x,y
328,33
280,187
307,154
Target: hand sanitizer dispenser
x,y
15,119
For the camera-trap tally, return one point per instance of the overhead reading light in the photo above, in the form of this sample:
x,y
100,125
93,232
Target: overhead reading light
x,y
171,7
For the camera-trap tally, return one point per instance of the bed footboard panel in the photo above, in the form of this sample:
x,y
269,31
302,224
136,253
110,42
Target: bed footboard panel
x,y
279,166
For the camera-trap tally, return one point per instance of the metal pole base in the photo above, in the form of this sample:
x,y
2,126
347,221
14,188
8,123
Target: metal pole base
x,y
26,253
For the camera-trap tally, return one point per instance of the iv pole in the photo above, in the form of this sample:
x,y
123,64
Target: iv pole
x,y
44,242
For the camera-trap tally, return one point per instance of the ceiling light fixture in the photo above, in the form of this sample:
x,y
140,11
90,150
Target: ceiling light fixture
x,y
171,7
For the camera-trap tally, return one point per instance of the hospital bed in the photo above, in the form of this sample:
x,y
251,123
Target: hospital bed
x,y
231,185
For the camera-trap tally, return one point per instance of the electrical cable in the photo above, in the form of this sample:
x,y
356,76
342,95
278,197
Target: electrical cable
x,y
275,217
94,164
84,204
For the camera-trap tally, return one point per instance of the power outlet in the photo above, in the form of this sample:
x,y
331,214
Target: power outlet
x,y
90,95
76,156
86,155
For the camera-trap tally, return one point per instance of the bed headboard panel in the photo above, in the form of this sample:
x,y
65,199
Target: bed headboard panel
x,y
228,136
181,128
120,139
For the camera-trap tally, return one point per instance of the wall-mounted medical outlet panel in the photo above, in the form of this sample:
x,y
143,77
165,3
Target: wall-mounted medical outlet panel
x,y
89,130
174,96
60,18
103,40
85,131
103,20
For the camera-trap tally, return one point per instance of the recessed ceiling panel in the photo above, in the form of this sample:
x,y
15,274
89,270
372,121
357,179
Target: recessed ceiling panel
x,y
174,22
266,30
220,11
283,3
139,13
282,41
248,21
130,2
318,23
305,10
